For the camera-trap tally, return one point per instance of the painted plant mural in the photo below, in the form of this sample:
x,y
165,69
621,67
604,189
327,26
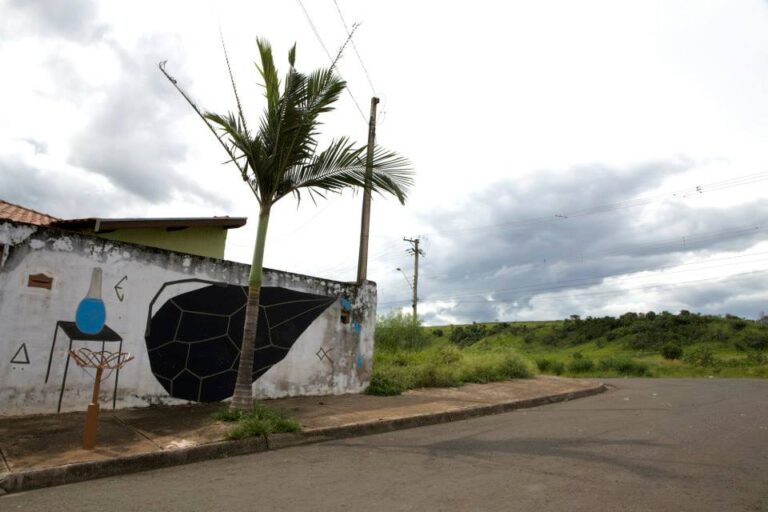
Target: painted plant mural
x,y
194,338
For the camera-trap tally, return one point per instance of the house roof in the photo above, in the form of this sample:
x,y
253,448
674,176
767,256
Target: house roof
x,y
16,213
101,225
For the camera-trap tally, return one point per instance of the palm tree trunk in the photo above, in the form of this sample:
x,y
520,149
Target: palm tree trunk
x,y
242,399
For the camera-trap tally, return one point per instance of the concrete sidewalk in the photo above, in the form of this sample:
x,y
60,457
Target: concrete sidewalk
x,y
44,450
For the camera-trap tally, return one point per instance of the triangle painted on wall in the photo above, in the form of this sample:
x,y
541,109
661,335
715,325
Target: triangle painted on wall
x,y
21,356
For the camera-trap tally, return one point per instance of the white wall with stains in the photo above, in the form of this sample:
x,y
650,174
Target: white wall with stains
x,y
329,357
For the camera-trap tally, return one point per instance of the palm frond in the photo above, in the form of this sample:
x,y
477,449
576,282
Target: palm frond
x,y
342,165
282,156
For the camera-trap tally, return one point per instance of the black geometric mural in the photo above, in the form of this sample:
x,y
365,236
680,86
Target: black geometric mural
x,y
194,339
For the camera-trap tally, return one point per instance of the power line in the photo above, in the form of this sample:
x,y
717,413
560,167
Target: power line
x,y
330,57
607,292
354,47
609,207
687,241
625,290
631,203
557,285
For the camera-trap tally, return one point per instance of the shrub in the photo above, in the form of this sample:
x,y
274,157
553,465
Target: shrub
x,y
552,366
434,375
557,367
383,385
701,356
672,351
737,323
449,355
399,331
756,341
496,369
437,333
467,335
625,366
581,365
260,421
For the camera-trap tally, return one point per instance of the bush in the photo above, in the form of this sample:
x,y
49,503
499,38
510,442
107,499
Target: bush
x,y
625,366
756,341
551,366
701,356
469,334
449,355
383,385
557,367
672,351
399,331
261,421
437,333
496,369
435,375
581,365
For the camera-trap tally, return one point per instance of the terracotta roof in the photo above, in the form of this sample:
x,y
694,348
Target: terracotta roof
x,y
16,213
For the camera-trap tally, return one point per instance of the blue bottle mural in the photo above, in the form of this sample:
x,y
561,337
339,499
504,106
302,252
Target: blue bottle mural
x,y
91,313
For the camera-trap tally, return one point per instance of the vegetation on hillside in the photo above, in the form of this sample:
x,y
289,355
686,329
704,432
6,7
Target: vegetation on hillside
x,y
634,344
410,356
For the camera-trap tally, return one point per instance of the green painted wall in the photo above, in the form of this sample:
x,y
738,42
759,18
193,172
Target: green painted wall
x,y
202,241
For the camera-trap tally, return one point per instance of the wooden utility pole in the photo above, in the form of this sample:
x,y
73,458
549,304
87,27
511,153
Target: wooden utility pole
x,y
362,261
414,249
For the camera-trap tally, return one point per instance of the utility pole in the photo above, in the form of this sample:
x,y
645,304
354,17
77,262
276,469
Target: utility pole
x,y
414,249
362,260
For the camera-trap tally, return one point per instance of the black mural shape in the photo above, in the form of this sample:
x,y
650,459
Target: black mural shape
x,y
194,339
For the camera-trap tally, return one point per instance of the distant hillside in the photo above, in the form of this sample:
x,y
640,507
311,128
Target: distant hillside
x,y
639,331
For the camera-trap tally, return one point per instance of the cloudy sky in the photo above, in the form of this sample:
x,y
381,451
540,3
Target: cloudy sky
x,y
587,157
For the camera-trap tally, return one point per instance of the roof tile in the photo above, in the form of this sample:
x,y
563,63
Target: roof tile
x,y
16,213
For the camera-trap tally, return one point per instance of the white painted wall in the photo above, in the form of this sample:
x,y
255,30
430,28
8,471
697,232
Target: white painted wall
x,y
28,316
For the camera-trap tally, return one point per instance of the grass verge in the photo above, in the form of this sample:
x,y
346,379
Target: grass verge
x,y
261,421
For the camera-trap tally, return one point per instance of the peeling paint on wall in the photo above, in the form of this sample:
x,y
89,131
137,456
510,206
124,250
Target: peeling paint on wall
x,y
31,314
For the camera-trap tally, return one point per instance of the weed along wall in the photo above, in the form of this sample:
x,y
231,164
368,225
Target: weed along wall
x,y
179,316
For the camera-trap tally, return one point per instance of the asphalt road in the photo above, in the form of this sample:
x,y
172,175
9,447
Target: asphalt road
x,y
648,445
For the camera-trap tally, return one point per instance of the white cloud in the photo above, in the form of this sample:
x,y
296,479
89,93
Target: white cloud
x,y
560,105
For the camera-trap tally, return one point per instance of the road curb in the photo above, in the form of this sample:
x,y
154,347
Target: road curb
x,y
71,473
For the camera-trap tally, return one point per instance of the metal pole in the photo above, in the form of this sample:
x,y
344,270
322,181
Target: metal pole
x,y
362,261
416,281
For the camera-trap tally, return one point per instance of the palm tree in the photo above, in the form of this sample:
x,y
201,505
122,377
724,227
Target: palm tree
x,y
282,157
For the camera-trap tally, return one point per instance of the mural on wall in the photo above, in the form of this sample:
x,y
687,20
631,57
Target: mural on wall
x,y
323,353
21,356
89,326
194,338
119,289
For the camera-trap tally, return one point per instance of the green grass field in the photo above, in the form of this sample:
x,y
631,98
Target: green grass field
x,y
638,345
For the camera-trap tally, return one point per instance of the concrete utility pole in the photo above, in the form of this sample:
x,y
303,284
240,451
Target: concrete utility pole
x,y
362,261
414,249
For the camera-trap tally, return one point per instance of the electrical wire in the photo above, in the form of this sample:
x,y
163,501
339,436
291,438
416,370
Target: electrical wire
x,y
591,281
354,47
330,57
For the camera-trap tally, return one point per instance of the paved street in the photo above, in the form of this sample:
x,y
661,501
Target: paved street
x,y
648,444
